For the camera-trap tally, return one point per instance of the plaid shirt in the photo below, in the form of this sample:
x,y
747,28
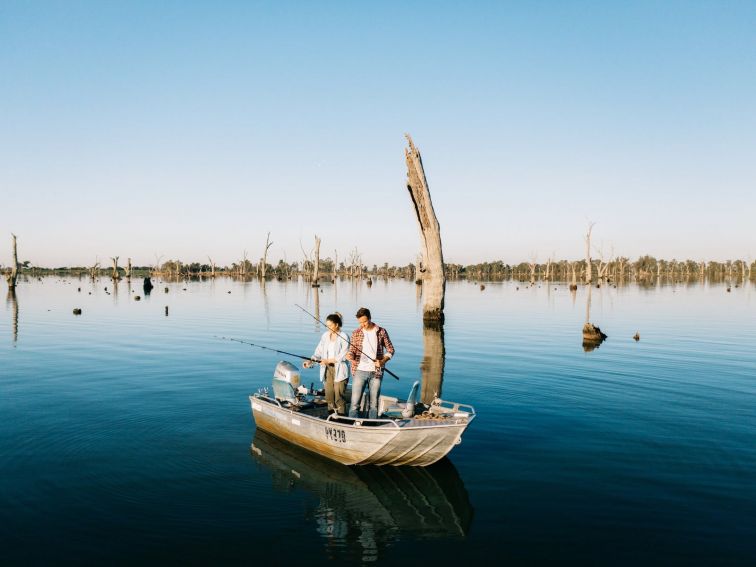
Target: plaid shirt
x,y
355,348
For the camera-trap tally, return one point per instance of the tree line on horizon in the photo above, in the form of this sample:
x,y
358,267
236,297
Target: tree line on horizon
x,y
618,269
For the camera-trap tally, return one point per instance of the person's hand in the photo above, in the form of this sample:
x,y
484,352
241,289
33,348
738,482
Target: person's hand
x,y
307,364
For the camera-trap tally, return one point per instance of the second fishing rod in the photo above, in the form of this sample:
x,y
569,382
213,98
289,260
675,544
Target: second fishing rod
x,y
386,370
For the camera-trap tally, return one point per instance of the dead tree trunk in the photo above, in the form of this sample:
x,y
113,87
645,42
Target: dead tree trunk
x,y
316,263
115,275
588,270
212,266
128,269
573,285
243,266
434,277
532,266
264,266
13,275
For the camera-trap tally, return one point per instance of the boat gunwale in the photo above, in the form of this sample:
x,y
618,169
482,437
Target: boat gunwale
x,y
354,426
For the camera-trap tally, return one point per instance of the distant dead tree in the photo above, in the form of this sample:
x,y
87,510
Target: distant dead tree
x,y
243,265
573,267
157,268
212,266
12,276
603,265
264,265
115,275
434,277
128,268
532,265
316,263
94,270
355,263
588,270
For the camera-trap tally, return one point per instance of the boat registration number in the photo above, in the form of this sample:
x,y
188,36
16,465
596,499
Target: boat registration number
x,y
337,435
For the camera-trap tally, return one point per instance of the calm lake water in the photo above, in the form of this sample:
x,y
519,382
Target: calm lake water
x,y
126,434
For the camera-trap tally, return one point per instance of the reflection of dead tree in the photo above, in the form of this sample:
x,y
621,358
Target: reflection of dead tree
x,y
13,275
264,264
588,270
11,298
434,359
316,299
434,278
592,335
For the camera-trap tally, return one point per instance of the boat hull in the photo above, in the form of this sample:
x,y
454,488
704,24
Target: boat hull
x,y
385,442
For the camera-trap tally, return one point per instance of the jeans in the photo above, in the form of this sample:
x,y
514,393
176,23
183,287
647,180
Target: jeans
x,y
360,380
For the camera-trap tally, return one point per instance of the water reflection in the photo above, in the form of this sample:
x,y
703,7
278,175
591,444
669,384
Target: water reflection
x,y
13,302
434,359
362,510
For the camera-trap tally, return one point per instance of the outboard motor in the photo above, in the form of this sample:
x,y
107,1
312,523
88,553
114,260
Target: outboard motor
x,y
409,409
285,382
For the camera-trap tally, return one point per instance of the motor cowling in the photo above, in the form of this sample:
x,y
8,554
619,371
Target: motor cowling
x,y
286,380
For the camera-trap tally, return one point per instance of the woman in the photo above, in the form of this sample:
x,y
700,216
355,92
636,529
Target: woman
x,y
334,370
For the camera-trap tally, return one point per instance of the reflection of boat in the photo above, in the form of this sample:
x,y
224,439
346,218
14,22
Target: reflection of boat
x,y
367,507
406,433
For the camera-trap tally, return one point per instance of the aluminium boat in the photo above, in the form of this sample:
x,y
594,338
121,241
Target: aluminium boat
x,y
405,432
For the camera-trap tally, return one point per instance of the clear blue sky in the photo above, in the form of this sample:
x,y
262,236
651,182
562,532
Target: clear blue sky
x,y
188,129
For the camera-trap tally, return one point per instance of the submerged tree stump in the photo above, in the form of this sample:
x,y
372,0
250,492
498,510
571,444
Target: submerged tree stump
x,y
593,333
432,271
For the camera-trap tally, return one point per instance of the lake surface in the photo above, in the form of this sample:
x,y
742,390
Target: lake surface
x,y
127,435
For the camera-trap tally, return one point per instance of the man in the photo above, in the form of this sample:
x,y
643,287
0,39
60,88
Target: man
x,y
369,351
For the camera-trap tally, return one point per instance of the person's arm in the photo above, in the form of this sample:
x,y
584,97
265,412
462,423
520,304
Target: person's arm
x,y
388,347
316,356
353,353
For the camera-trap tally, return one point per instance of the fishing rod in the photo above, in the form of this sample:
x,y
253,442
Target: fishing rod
x,y
346,340
264,347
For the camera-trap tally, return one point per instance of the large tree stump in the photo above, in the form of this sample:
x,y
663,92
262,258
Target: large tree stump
x,y
434,279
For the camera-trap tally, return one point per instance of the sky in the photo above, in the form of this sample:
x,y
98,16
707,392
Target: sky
x,y
189,130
